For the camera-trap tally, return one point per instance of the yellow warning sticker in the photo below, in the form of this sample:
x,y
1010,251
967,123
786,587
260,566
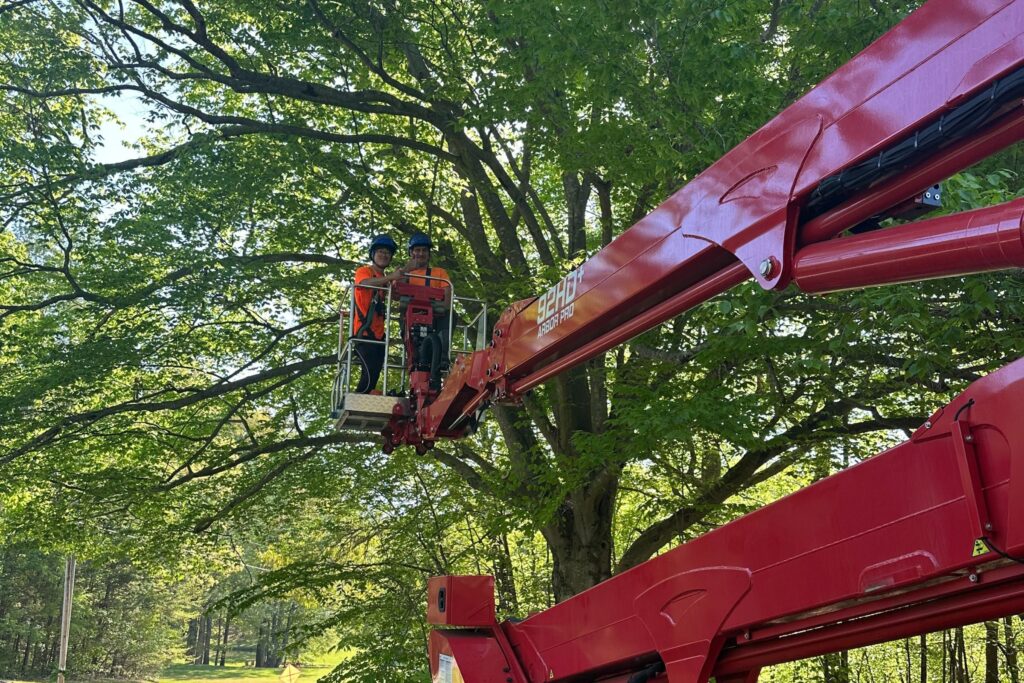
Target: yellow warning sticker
x,y
290,674
980,547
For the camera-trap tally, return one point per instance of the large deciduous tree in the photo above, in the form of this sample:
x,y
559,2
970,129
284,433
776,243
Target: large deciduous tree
x,y
167,316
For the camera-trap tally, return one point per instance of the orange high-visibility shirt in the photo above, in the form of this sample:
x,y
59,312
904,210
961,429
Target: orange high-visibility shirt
x,y
364,301
429,272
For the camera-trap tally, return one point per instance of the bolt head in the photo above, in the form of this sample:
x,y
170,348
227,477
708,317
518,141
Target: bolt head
x,y
969,438
988,526
928,424
766,268
973,578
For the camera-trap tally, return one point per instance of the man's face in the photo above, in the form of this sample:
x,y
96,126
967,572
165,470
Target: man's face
x,y
382,257
420,256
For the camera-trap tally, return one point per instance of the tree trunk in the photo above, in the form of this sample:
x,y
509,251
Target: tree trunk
x,y
907,661
224,640
923,647
207,627
580,538
191,638
947,658
504,578
197,652
28,648
991,652
273,647
960,652
835,667
261,647
1011,650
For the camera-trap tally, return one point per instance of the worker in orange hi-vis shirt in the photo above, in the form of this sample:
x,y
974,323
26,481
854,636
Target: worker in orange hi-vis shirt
x,y
370,311
419,272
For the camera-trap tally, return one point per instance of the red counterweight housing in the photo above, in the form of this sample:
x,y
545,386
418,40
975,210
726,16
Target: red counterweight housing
x,y
476,651
465,601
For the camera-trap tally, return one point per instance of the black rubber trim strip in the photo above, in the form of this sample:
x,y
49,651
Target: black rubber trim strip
x,y
956,124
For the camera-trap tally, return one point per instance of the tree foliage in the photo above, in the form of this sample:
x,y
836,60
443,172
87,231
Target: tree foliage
x,y
168,319
124,619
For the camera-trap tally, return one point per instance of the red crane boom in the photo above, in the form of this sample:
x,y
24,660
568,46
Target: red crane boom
x,y
937,93
927,535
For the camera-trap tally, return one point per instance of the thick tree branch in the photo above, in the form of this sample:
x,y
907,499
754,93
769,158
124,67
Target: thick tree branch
x,y
294,370
248,493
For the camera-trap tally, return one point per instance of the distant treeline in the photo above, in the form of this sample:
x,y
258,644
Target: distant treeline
x,y
122,621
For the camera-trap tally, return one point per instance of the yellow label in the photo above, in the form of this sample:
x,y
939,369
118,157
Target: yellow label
x,y
980,547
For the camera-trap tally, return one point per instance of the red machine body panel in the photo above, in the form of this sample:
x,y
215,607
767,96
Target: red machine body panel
x,y
899,530
461,600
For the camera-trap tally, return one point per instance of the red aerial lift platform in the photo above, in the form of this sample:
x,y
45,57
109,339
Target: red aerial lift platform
x,y
927,535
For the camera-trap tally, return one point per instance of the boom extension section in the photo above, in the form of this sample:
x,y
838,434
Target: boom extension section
x,y
939,92
915,539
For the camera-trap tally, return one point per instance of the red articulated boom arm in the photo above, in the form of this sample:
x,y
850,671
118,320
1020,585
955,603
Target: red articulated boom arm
x,y
900,544
927,535
939,92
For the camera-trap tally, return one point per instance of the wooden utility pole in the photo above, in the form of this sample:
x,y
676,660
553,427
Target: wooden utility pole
x,y
65,616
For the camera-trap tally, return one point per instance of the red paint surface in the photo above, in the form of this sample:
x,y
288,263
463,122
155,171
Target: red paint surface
x,y
888,541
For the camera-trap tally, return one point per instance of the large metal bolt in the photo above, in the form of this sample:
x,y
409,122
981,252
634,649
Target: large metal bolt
x,y
767,266
973,577
969,438
928,424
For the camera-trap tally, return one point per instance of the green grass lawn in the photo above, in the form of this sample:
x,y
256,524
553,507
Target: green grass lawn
x,y
196,673
237,672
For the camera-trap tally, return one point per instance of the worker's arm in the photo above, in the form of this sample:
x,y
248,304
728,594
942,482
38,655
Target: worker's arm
x,y
382,281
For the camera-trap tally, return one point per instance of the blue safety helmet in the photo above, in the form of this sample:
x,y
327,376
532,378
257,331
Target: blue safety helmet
x,y
382,242
419,239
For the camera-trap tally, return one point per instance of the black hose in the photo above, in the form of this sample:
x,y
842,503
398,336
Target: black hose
x,y
431,344
647,673
368,320
953,125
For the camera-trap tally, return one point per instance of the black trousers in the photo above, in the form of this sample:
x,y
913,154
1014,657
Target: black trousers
x,y
370,357
441,322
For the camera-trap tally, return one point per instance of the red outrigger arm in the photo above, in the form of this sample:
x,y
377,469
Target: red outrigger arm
x,y
912,540
937,93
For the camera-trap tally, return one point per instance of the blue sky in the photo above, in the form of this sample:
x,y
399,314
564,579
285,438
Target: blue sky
x,y
130,109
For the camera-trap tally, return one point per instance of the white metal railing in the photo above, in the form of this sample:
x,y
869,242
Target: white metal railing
x,y
468,335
